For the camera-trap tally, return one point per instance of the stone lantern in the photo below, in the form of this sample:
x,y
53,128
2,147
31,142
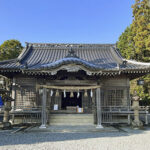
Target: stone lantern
x,y
136,122
7,107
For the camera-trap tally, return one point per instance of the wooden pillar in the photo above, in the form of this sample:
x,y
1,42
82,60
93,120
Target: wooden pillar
x,y
94,107
49,106
43,115
13,95
98,104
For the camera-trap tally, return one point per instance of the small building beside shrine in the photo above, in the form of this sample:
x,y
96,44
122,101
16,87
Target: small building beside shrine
x,y
78,84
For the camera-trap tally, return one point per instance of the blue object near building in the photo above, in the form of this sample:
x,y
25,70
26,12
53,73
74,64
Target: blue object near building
x,y
1,102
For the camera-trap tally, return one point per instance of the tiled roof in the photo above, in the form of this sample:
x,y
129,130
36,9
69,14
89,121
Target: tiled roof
x,y
94,57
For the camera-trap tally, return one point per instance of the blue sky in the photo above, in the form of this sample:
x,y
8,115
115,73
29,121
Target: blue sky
x,y
64,21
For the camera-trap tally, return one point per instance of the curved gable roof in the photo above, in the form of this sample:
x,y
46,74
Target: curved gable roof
x,y
97,57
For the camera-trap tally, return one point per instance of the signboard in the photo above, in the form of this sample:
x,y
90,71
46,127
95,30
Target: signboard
x,y
55,106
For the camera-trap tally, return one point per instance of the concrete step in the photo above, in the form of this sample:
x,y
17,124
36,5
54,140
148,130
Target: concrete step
x,y
71,116
71,119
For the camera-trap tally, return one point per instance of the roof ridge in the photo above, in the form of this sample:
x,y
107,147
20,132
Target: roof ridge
x,y
8,61
24,53
137,62
116,55
68,44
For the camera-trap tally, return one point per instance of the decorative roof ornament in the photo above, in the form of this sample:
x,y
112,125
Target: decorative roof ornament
x,y
124,63
118,66
26,65
71,53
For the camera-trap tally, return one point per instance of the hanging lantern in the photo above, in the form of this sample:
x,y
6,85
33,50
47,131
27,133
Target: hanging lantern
x,y
91,93
78,94
140,82
51,93
71,95
57,93
85,93
64,93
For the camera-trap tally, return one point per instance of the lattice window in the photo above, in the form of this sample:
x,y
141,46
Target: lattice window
x,y
26,97
115,97
19,99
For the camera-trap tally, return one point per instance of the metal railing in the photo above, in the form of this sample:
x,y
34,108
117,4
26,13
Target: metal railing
x,y
110,114
27,114
122,114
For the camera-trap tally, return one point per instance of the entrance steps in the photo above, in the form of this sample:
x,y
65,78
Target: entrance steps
x,y
71,119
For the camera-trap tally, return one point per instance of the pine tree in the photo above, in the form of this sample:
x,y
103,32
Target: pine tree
x,y
10,49
134,43
125,44
140,29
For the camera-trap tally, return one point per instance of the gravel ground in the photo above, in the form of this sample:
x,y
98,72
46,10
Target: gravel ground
x,y
129,140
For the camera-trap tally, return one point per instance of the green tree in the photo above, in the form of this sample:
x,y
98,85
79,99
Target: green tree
x,y
125,44
140,29
10,49
134,43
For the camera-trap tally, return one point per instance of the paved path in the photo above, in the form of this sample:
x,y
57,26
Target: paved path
x,y
74,129
128,140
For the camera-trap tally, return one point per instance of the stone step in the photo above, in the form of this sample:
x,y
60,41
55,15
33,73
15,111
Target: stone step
x,y
71,116
70,124
71,119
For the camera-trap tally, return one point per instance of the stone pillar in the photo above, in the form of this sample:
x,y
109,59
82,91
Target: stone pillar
x,y
43,115
7,108
98,105
136,122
